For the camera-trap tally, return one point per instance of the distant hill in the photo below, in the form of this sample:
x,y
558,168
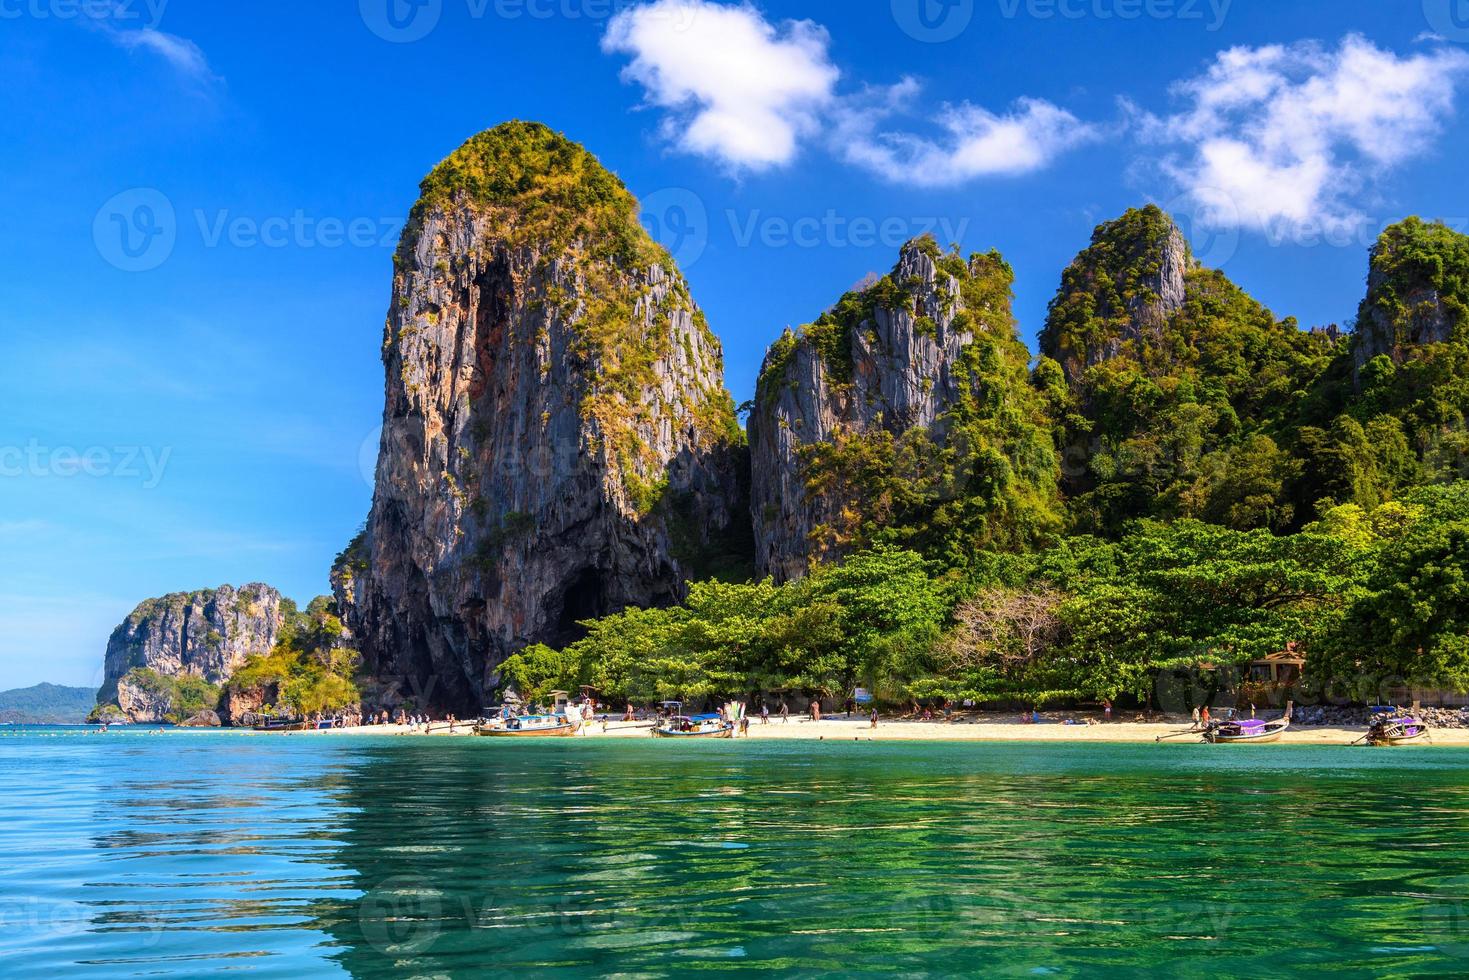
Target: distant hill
x,y
46,704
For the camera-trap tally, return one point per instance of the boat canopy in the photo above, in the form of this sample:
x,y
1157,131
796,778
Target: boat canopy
x,y
703,718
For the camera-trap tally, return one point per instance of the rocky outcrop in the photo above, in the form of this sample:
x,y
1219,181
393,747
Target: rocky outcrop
x,y
202,719
889,360
1415,287
206,634
557,440
1120,293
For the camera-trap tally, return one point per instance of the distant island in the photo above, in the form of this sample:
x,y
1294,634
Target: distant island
x,y
46,704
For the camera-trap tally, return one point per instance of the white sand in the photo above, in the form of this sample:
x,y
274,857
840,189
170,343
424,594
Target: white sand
x,y
990,728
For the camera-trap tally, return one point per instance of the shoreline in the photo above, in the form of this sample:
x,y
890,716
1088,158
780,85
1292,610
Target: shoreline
x,y
841,729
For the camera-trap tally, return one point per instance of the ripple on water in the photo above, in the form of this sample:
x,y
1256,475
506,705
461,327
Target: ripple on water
x,y
175,855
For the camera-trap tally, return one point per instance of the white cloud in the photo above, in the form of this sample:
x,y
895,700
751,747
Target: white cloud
x,y
737,88
1291,133
181,54
978,142
184,55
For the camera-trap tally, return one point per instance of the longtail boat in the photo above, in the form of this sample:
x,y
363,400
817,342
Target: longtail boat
x,y
1255,730
695,726
1402,730
283,725
679,725
529,726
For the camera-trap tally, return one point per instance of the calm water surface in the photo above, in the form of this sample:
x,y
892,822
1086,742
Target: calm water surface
x,y
195,853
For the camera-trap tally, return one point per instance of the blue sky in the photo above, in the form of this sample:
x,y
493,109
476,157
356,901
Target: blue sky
x,y
197,402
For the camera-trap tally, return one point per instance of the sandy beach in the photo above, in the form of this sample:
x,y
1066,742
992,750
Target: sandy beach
x,y
983,729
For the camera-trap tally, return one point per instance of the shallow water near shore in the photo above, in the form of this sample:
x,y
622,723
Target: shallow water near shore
x,y
191,853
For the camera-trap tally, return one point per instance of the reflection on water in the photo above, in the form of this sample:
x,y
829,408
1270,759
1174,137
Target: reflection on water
x,y
190,853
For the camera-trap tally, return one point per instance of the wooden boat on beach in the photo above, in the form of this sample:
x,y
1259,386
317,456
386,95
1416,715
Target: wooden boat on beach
x,y
1402,730
1251,730
694,726
680,725
529,726
284,725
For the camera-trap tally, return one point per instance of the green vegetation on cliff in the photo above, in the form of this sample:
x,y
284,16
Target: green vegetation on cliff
x,y
540,190
309,672
1236,487
983,475
1180,406
182,697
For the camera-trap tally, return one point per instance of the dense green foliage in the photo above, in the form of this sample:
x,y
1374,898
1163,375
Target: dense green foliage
x,y
1411,620
1175,413
844,624
983,476
1235,487
309,672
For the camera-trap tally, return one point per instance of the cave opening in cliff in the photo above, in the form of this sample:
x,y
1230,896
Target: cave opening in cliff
x,y
583,598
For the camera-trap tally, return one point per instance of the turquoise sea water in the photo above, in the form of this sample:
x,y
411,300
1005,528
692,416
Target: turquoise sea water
x,y
195,853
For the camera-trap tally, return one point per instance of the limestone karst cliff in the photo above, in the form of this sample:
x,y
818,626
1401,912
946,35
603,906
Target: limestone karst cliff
x,y
1179,384
906,405
1415,291
557,439
1120,293
205,635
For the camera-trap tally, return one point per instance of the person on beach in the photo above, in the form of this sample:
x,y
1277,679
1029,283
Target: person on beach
x,y
628,715
1107,710
785,713
815,710
874,717
1196,716
1204,716
764,713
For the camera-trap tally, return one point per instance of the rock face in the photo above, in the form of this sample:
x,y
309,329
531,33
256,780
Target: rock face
x,y
1133,278
206,634
1416,268
557,440
887,361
